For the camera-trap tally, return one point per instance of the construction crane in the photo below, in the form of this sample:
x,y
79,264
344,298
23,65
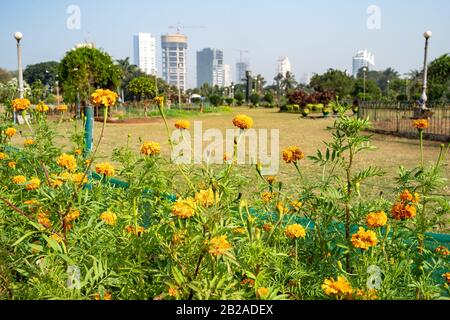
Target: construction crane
x,y
179,27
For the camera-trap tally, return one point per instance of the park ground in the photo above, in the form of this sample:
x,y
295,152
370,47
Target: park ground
x,y
307,133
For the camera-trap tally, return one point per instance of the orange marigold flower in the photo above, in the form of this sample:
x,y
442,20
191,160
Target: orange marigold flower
x,y
77,152
447,277
184,208
106,296
56,183
292,154
10,132
267,196
295,231
80,178
271,179
173,292
136,231
33,184
12,164
159,100
218,245
28,142
43,219
248,282
263,293
267,227
282,209
442,250
21,104
67,161
182,124
421,124
3,156
243,122
407,196
376,219
104,97
62,108
364,239
370,294
338,288
109,218
402,211
72,215
19,179
41,107
31,202
105,168
206,198
150,148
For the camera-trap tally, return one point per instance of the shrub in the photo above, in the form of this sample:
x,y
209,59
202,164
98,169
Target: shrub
x,y
215,99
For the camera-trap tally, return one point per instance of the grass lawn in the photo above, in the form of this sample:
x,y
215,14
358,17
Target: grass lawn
x,y
308,134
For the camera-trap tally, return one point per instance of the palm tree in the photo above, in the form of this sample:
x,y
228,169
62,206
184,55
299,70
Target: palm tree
x,y
289,82
278,80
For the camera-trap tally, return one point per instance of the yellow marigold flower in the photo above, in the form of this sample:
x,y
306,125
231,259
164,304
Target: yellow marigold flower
x,y
218,245
109,218
33,184
179,237
62,108
239,231
364,239
268,227
267,196
420,124
227,157
338,288
292,154
150,148
282,209
12,164
77,152
296,205
43,219
173,292
10,132
80,178
442,250
248,282
376,219
295,231
136,231
182,125
106,296
271,179
370,294
28,142
57,237
19,179
31,202
3,156
206,198
263,293
104,97
159,100
56,183
243,122
105,168
72,215
67,161
447,277
184,209
21,104
87,163
402,211
41,107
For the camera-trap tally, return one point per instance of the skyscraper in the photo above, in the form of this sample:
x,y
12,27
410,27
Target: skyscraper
x,y
227,76
363,59
145,53
284,66
241,68
174,60
210,67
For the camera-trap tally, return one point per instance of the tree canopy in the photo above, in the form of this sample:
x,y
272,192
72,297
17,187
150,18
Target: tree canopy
x,y
45,72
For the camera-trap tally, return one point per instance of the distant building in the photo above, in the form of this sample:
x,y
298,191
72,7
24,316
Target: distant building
x,y
89,45
363,59
284,66
227,75
210,67
241,68
145,53
174,60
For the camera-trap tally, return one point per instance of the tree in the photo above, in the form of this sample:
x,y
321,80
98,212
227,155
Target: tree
x,y
142,87
333,80
268,97
45,72
288,83
5,75
255,98
372,89
38,91
240,97
439,77
215,99
85,69
278,83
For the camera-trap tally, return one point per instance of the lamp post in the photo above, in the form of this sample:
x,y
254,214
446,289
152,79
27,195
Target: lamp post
x,y
388,85
424,97
18,36
180,65
364,71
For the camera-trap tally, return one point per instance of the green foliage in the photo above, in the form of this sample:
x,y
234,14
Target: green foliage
x,y
255,98
215,99
240,97
44,72
333,80
142,87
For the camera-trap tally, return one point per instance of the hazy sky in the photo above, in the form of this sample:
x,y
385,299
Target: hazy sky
x,y
315,35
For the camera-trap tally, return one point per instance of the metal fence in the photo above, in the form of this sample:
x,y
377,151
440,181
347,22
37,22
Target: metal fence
x,y
397,119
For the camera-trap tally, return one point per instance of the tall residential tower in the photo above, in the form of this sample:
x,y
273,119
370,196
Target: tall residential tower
x,y
284,66
174,56
362,59
145,53
210,67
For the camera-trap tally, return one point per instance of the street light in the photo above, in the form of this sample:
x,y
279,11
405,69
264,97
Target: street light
x,y
364,71
427,35
18,36
180,65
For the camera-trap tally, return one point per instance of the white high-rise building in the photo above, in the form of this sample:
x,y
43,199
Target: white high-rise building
x,y
227,75
145,53
174,60
362,59
284,66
